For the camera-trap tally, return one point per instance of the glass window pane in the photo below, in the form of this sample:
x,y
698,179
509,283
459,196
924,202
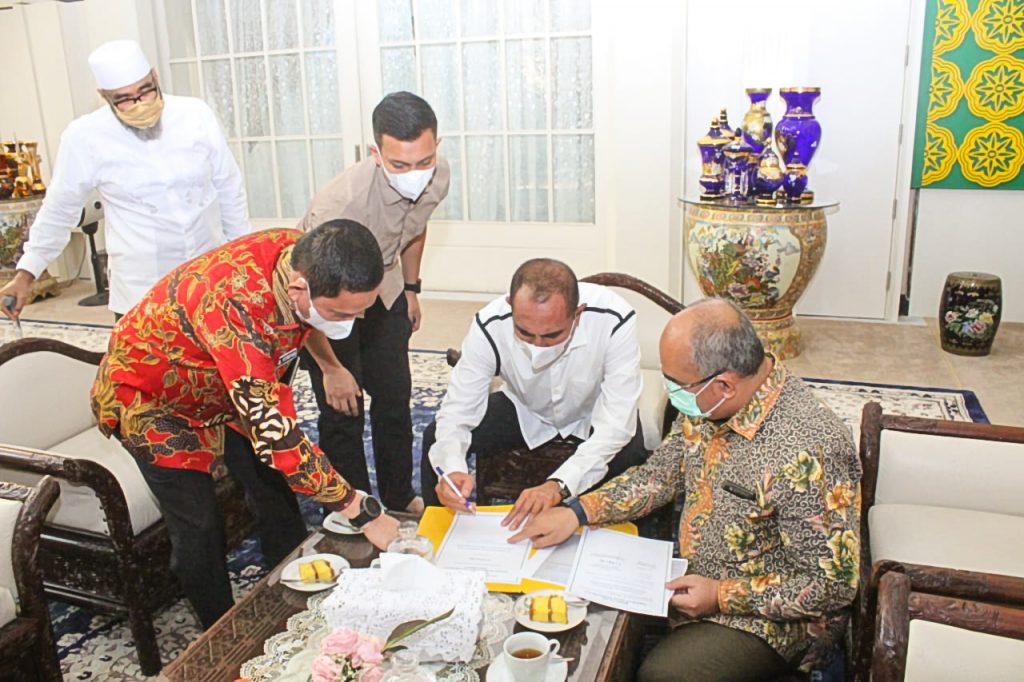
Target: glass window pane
x,y
318,23
573,157
282,24
571,83
213,27
441,84
293,176
289,117
182,41
570,15
252,95
528,172
398,69
259,179
328,161
479,17
217,93
322,89
482,86
451,208
185,79
525,16
394,18
485,172
525,69
435,19
246,25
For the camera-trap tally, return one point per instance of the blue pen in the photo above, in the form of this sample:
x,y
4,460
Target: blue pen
x,y
455,489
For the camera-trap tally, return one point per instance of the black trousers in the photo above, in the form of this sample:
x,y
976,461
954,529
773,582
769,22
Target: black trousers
x,y
377,354
499,432
189,506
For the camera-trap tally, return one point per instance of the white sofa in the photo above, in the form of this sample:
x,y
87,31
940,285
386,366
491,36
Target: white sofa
x,y
942,504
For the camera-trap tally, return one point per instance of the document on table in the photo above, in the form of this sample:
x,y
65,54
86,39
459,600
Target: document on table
x,y
624,572
479,541
553,564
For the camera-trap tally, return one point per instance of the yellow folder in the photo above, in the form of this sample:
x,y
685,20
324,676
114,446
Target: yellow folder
x,y
436,521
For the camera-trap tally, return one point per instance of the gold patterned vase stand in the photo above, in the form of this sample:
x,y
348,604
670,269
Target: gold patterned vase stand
x,y
760,258
16,217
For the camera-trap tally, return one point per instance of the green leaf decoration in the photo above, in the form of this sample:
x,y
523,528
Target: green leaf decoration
x,y
410,628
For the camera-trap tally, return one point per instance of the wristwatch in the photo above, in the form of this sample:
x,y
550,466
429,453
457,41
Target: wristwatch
x,y
369,509
414,287
563,489
578,510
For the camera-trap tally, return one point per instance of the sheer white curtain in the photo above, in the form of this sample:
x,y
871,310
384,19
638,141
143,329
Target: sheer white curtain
x,y
269,69
511,83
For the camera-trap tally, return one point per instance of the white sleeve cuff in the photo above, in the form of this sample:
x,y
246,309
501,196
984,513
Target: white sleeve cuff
x,y
32,263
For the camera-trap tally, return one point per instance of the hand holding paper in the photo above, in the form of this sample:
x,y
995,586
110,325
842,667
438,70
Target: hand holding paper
x,y
694,595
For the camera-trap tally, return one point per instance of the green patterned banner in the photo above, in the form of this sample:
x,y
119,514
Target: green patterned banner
x,y
970,110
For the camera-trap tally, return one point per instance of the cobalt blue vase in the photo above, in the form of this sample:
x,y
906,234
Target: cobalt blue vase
x,y
799,133
712,177
737,169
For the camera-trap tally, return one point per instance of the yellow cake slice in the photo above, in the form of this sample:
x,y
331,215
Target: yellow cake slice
x,y
559,610
549,609
540,609
317,570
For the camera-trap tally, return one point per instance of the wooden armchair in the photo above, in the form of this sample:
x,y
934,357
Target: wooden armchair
x,y
931,637
27,647
503,478
941,504
104,545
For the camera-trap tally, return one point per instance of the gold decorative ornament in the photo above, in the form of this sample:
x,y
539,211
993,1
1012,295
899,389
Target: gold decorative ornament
x,y
992,154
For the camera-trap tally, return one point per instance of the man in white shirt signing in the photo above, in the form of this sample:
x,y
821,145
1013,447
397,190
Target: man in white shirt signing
x,y
569,358
170,187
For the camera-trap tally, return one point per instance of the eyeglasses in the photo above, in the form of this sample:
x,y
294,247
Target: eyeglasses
x,y
695,383
147,93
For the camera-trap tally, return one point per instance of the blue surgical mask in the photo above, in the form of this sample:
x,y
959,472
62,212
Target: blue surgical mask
x,y
686,402
332,329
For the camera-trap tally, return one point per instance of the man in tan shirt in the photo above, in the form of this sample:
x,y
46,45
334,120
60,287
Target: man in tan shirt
x,y
393,193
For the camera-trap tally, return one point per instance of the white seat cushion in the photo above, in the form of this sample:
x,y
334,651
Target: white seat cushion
x,y
8,611
653,400
950,538
9,510
942,652
78,507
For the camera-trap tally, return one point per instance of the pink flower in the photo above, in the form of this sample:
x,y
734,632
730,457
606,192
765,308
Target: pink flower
x,y
372,674
325,669
342,641
368,652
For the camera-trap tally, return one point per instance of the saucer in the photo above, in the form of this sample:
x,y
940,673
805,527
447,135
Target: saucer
x,y
575,614
291,572
337,523
498,671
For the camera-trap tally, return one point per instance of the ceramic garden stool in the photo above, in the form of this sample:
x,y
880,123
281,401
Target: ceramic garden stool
x,y
16,216
761,258
969,313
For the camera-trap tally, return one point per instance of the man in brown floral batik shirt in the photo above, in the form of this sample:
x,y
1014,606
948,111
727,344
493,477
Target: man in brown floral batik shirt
x,y
771,482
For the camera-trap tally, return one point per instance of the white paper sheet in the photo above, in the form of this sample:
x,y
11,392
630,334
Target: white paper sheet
x,y
554,564
479,542
623,571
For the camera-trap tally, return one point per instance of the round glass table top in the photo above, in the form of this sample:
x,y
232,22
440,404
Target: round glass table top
x,y
818,204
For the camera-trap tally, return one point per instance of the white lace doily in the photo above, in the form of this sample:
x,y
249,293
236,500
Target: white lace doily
x,y
360,603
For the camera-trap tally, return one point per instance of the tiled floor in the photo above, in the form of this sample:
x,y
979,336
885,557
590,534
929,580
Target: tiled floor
x,y
858,351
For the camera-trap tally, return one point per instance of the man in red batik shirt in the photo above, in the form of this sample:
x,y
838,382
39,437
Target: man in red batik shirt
x,y
206,348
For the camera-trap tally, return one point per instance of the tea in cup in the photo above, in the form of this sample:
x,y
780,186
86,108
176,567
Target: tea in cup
x,y
528,654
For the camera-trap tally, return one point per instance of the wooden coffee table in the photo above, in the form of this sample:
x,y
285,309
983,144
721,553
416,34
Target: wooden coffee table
x,y
605,646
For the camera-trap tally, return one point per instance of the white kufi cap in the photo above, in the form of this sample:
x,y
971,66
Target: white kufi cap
x,y
118,63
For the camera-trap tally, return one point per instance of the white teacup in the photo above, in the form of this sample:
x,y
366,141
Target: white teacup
x,y
527,655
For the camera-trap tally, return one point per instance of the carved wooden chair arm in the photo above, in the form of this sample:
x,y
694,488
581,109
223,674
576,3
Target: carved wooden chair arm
x,y
13,349
36,504
83,472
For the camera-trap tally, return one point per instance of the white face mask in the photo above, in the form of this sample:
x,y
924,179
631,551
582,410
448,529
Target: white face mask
x,y
541,358
409,184
332,329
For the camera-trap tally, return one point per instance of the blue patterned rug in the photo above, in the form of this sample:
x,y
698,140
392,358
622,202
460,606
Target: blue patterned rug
x,y
99,647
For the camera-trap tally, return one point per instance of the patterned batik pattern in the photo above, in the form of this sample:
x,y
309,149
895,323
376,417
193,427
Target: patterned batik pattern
x,y
787,560
204,349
